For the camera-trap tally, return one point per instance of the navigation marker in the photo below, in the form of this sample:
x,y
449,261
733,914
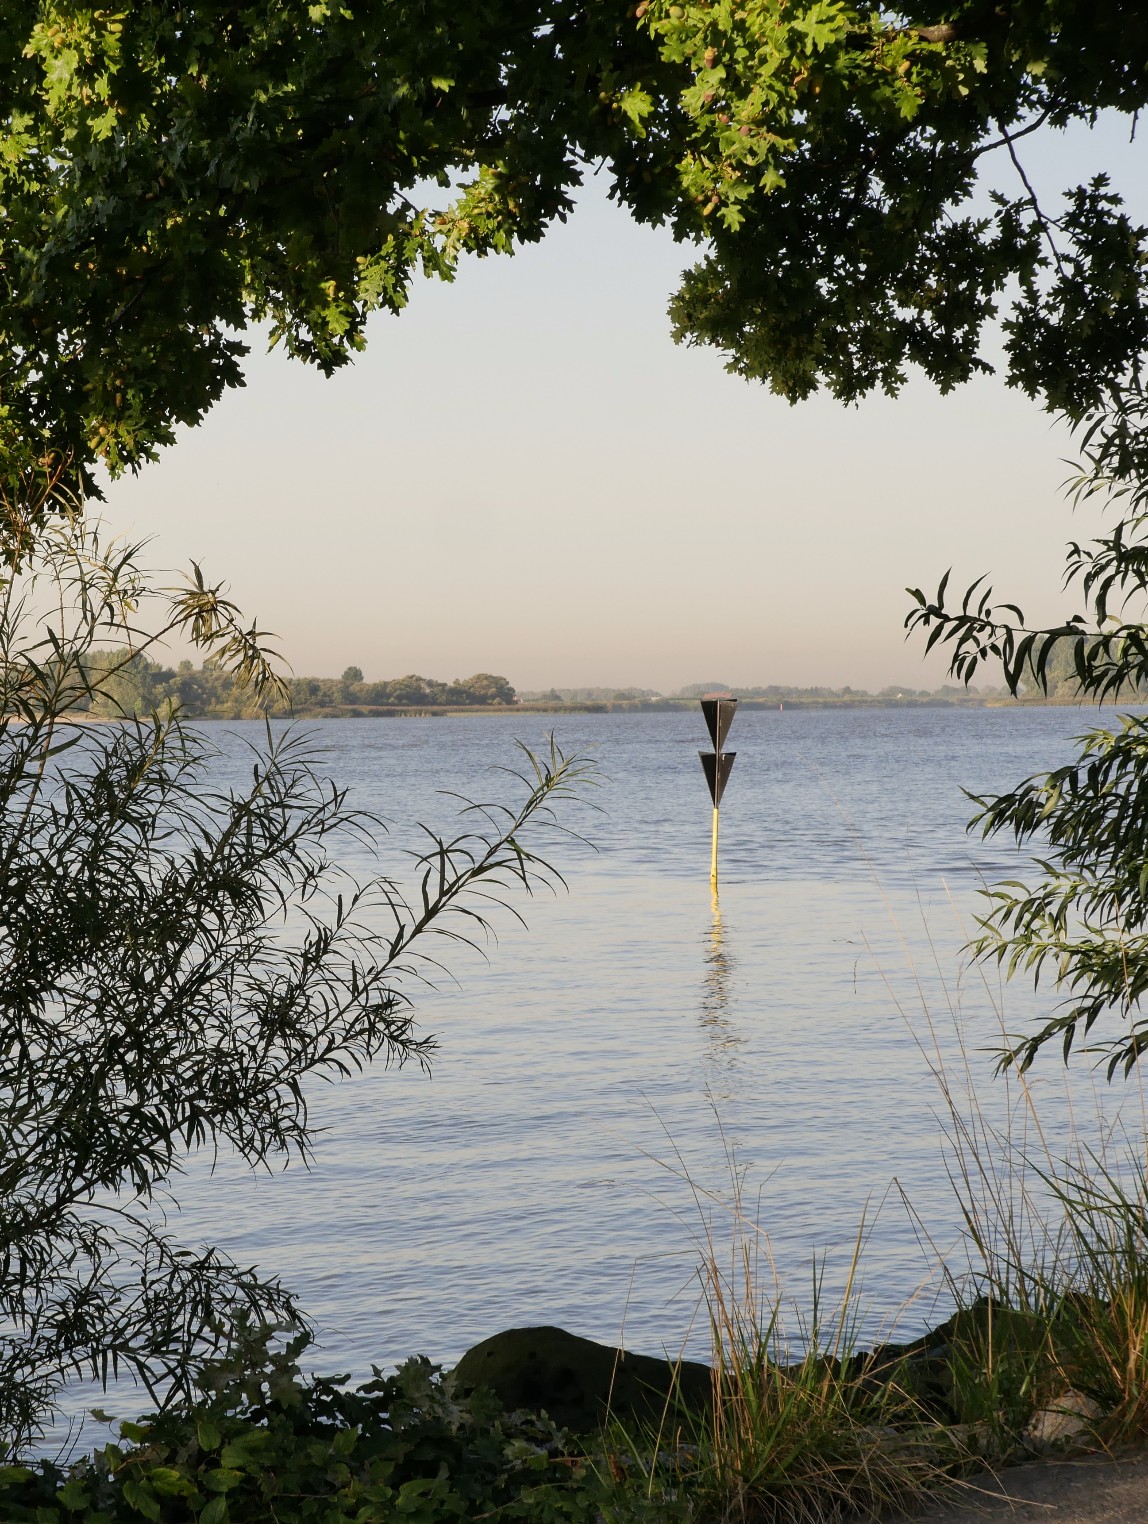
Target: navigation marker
x,y
717,764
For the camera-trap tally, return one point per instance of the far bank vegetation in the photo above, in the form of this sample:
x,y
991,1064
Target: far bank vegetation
x,y
134,684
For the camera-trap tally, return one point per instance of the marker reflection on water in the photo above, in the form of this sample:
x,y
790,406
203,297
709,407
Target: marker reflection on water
x,y
717,987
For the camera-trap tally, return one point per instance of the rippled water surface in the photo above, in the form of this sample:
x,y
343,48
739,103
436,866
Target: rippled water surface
x,y
633,1030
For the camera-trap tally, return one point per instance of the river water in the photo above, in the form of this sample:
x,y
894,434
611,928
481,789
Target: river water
x,y
634,1034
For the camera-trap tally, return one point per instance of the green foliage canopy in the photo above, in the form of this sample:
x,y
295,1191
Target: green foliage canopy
x,y
1082,924
172,173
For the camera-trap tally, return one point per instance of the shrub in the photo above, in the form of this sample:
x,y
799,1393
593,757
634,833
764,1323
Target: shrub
x,y
176,961
260,1443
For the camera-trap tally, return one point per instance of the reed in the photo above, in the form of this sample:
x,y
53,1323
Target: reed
x,y
1072,1319
802,1426
1048,1292
1051,1299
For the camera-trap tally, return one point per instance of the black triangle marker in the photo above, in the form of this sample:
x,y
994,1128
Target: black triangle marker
x,y
718,709
717,770
719,713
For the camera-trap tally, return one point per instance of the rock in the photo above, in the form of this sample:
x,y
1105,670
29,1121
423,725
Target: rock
x,y
969,1439
1070,1417
578,1382
923,1367
923,1374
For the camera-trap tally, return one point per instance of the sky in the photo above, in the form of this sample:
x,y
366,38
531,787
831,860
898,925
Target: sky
x,y
523,474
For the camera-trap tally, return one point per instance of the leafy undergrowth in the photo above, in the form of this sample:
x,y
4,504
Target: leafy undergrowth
x,y
1058,1313
262,1444
832,1436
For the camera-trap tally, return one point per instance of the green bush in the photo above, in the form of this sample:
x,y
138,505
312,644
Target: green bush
x,y
263,1444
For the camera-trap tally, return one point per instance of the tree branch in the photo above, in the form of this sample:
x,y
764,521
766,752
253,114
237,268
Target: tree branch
x,y
1045,226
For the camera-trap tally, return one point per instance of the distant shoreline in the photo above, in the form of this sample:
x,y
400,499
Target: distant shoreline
x,y
608,706
631,706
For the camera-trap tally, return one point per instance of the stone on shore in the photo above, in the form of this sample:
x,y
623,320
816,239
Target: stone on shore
x,y
1068,1420
580,1383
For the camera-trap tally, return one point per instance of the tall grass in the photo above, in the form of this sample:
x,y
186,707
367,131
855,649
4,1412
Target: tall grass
x,y
1062,1305
801,1426
1052,1296
1048,1291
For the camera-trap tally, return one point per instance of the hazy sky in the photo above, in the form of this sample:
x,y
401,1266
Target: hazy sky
x,y
523,474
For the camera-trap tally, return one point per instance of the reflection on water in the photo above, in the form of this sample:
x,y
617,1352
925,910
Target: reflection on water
x,y
717,989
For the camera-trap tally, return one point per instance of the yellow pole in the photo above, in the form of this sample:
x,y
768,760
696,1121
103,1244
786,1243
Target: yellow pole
x,y
713,860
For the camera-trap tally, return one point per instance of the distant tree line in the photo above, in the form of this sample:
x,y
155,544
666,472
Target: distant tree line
x,y
948,693
589,695
775,693
136,685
